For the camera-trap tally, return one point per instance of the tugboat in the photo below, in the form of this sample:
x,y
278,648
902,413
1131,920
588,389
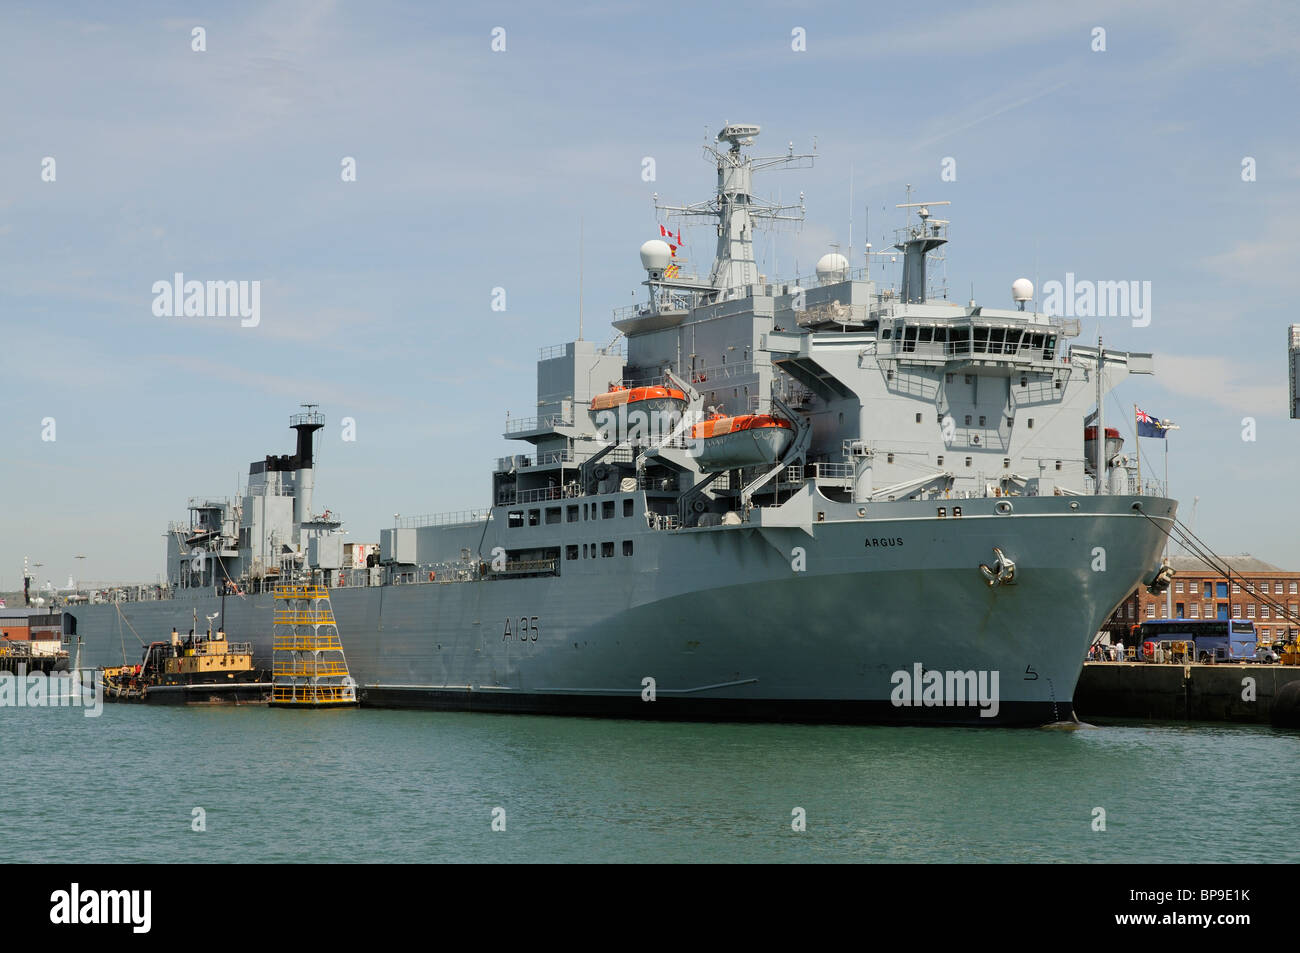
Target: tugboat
x,y
198,670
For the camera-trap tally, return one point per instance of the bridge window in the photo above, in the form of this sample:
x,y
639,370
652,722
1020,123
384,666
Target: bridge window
x,y
515,519
980,337
552,515
573,514
925,335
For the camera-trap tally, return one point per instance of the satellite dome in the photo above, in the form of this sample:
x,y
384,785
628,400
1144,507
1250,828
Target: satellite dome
x,y
1022,289
655,255
832,267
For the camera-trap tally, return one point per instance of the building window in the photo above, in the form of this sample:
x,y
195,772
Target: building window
x,y
1192,586
627,547
1250,611
1178,587
1236,588
1263,612
1180,610
607,549
1196,611
573,514
571,551
1236,611
1151,610
1164,611
1293,587
1221,590
1277,588
1209,589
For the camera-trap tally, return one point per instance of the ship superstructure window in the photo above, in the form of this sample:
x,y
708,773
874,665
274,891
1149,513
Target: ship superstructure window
x,y
607,510
918,418
628,506
607,549
947,378
534,517
515,519
939,461
968,420
1031,423
552,515
968,459
571,551
981,420
627,547
573,514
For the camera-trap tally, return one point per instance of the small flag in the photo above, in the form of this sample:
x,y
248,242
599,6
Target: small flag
x,y
1148,426
679,236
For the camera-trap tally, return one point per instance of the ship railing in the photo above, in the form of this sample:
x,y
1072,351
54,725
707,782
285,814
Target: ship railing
x,y
442,519
663,521
525,424
539,494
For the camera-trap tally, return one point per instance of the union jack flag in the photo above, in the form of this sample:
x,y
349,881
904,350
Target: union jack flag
x,y
1148,426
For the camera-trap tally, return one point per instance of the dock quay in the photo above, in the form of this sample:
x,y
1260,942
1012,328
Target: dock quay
x,y
1244,693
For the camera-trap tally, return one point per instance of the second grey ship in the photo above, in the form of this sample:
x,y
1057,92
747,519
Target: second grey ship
x,y
903,522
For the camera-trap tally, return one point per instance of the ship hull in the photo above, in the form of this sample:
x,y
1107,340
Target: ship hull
x,y
841,620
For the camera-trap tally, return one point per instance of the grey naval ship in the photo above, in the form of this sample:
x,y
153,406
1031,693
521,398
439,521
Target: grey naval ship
x,y
822,498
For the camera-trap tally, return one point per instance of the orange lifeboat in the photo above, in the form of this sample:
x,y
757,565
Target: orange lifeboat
x,y
624,411
722,442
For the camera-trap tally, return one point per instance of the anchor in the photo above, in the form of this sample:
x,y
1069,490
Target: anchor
x,y
1003,572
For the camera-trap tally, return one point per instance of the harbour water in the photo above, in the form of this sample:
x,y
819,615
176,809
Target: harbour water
x,y
360,785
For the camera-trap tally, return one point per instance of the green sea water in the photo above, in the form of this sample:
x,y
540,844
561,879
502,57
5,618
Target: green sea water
x,y
362,785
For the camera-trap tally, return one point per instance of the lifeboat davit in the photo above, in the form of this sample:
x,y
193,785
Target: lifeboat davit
x,y
665,401
724,443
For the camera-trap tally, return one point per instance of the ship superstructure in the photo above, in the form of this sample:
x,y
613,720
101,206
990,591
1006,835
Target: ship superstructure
x,y
772,498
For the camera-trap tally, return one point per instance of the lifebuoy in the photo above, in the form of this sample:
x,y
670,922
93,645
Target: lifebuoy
x,y
431,576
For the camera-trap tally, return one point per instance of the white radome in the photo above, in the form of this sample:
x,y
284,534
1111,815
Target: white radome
x,y
1022,289
832,265
655,255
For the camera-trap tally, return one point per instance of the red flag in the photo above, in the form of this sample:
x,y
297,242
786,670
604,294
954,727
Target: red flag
x,y
664,233
679,236
673,248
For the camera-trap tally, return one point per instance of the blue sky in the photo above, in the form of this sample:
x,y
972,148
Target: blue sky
x,y
473,168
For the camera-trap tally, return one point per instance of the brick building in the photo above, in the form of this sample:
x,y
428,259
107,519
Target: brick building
x,y
1255,592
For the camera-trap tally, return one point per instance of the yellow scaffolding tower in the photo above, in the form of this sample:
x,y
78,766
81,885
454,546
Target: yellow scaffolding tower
x,y
308,668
